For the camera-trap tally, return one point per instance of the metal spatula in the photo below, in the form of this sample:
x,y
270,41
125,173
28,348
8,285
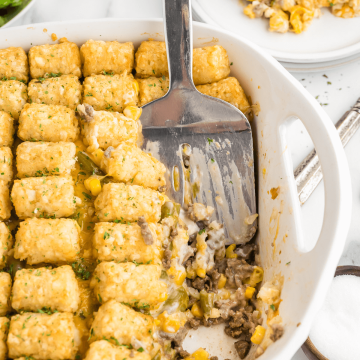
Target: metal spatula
x,y
218,134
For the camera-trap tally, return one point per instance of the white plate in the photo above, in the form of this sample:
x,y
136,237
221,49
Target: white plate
x,y
327,39
319,66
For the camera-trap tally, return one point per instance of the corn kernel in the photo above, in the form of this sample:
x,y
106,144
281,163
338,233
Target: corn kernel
x,y
191,273
230,252
249,292
93,185
258,335
168,324
163,297
300,18
256,277
201,273
180,277
133,112
171,272
200,354
249,12
197,311
222,281
97,155
136,86
201,244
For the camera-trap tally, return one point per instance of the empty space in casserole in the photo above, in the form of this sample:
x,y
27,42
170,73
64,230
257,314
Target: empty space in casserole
x,y
50,196
53,123
47,240
101,57
59,59
45,158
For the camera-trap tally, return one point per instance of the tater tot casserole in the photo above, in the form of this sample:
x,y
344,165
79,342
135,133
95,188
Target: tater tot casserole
x,y
296,15
97,262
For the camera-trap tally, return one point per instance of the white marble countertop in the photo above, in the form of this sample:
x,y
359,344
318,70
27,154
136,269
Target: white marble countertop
x,y
338,91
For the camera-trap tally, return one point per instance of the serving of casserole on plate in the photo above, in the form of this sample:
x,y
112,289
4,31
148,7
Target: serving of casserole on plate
x,y
97,261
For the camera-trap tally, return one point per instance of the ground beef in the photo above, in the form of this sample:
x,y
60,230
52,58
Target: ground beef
x,y
166,261
210,322
162,188
199,283
174,232
226,307
245,251
242,322
242,347
86,112
221,265
176,338
181,352
214,279
237,271
145,231
278,331
194,323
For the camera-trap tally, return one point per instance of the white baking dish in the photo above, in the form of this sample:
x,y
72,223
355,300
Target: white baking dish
x,y
281,98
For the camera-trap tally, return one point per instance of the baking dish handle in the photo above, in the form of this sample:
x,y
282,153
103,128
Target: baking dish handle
x,y
334,167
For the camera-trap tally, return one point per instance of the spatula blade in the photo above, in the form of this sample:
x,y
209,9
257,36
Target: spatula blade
x,y
222,170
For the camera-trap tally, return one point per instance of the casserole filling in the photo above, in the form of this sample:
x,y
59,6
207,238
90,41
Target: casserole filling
x,y
98,262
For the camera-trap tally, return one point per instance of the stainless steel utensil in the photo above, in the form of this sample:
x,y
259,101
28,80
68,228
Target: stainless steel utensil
x,y
308,174
217,134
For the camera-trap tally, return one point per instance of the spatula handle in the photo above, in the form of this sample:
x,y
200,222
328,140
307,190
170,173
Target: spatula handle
x,y
308,174
178,38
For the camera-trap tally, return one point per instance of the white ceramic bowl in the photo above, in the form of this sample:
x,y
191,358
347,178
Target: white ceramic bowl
x,y
307,273
19,15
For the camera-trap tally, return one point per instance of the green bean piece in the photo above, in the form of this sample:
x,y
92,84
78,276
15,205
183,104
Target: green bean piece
x,y
157,356
177,301
87,164
206,301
